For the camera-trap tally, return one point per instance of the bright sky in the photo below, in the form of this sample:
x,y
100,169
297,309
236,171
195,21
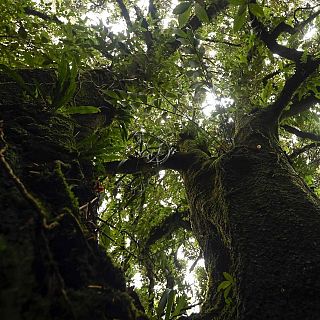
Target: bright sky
x,y
121,26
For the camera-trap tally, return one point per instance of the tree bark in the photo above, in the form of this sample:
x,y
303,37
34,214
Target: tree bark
x,y
50,261
256,219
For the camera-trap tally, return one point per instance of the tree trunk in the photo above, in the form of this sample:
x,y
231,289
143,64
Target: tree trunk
x,y
51,265
256,219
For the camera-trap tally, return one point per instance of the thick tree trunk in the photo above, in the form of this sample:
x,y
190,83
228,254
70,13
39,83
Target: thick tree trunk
x,y
256,219
271,227
51,265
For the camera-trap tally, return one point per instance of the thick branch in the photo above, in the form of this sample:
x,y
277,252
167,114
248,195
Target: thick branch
x,y
305,148
171,223
148,38
300,106
301,134
303,69
152,10
283,27
291,85
177,161
270,40
305,66
125,13
32,12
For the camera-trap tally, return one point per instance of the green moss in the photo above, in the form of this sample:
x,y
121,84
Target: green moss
x,y
73,201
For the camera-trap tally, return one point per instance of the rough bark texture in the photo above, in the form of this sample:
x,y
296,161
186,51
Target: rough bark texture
x,y
51,266
256,219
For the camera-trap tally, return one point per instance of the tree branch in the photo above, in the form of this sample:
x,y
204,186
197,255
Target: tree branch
x,y
270,40
125,13
300,106
148,38
274,73
301,134
171,223
305,65
303,71
152,10
32,12
283,27
223,42
299,151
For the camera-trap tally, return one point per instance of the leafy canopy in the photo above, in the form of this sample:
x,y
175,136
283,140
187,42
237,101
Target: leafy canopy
x,y
170,62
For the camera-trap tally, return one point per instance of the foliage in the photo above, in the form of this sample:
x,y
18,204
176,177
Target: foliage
x,y
169,70
226,286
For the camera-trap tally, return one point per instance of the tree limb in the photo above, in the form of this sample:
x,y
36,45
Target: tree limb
x,y
305,148
305,65
301,134
152,10
125,13
32,12
283,27
270,40
274,73
303,71
300,106
148,38
171,223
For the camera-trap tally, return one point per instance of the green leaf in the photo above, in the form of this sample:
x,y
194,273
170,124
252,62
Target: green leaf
x,y
180,33
162,303
237,2
171,296
82,110
226,293
66,82
256,9
266,91
228,276
201,13
111,94
44,38
182,303
182,7
223,285
123,131
105,236
184,17
240,18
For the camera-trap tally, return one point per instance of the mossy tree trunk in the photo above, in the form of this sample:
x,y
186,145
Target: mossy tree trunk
x,y
50,262
256,219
